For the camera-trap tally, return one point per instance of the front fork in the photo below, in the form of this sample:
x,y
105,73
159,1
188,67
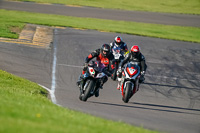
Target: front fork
x,y
81,82
136,88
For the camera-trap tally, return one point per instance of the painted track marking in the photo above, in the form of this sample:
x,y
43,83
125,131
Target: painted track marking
x,y
53,82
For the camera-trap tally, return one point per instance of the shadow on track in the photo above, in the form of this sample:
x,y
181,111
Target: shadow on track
x,y
173,86
154,107
177,91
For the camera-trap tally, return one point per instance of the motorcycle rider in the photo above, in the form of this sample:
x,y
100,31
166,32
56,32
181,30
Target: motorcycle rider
x,y
116,45
119,43
136,56
102,55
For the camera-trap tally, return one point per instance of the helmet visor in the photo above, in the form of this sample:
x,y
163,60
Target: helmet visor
x,y
135,54
105,52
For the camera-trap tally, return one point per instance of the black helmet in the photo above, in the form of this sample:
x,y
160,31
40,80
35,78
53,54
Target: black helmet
x,y
105,50
118,40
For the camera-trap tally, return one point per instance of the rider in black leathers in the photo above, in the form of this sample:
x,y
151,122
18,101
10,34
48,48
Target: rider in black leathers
x,y
119,43
136,56
104,56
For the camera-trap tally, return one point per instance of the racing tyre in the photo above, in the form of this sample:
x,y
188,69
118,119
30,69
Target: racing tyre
x,y
89,85
127,93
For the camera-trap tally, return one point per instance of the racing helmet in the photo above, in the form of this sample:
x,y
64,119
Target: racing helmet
x,y
118,40
105,50
135,50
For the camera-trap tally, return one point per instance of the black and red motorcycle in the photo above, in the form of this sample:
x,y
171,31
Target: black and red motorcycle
x,y
90,83
129,81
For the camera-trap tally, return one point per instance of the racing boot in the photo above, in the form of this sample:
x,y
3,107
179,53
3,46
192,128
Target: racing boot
x,y
101,86
118,86
97,93
79,80
101,83
141,80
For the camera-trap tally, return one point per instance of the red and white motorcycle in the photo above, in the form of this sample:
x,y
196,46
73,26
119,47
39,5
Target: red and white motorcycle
x,y
129,81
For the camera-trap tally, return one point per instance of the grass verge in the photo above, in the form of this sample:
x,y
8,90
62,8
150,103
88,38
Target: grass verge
x,y
169,6
19,18
25,108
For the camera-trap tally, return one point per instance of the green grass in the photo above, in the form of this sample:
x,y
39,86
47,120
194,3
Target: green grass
x,y
169,6
6,26
25,108
19,18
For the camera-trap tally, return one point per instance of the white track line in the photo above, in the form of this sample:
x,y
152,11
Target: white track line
x,y
50,92
53,80
70,65
53,83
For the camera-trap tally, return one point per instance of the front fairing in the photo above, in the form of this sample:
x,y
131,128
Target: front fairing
x,y
131,71
95,74
130,75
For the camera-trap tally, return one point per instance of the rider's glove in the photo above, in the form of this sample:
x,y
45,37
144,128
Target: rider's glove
x,y
143,73
142,77
85,66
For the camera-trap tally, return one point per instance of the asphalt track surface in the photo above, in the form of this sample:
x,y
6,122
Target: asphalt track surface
x,y
168,101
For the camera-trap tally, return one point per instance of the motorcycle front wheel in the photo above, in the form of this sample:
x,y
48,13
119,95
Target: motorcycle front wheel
x,y
127,93
89,85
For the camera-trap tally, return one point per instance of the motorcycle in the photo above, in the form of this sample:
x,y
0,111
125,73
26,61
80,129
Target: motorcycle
x,y
129,81
118,56
92,80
